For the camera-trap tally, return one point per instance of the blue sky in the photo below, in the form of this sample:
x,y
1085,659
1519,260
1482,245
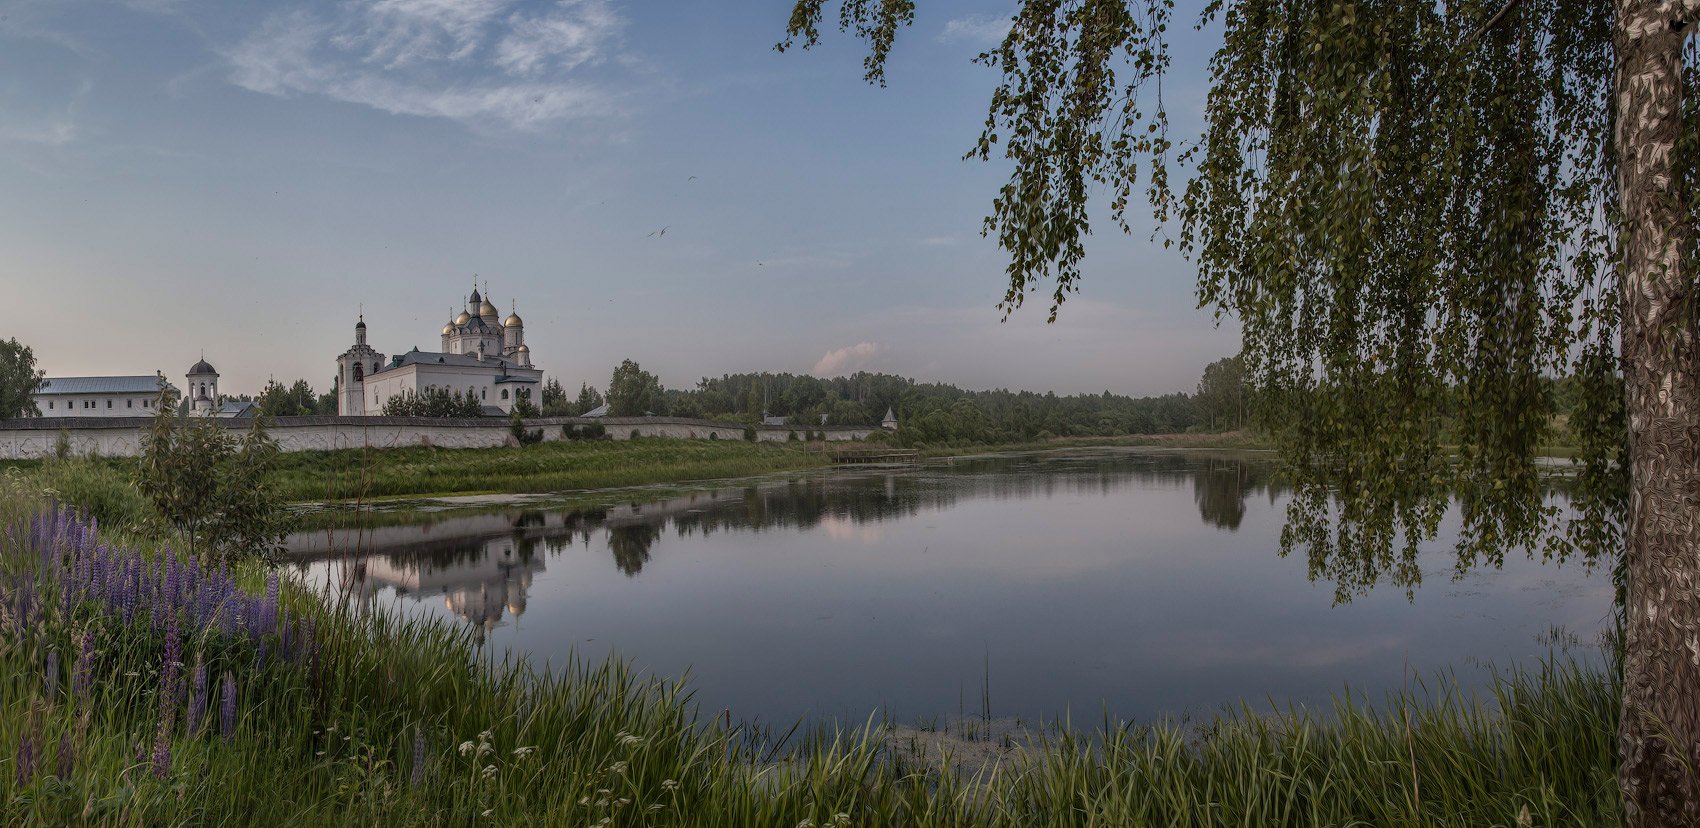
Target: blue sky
x,y
180,175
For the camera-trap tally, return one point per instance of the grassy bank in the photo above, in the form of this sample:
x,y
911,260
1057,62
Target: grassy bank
x,y
545,467
117,667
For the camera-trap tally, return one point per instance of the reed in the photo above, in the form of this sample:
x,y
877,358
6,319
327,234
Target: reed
x,y
144,689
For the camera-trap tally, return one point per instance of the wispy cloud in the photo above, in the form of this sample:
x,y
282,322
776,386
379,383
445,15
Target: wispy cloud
x,y
51,126
54,133
481,62
841,361
939,241
979,29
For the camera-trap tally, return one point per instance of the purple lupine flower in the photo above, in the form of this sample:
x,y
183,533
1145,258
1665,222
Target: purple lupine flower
x,y
227,715
52,675
418,758
173,659
197,697
271,603
26,758
162,748
83,676
67,756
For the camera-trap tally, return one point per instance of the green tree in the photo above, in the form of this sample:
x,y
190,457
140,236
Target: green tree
x,y
555,401
1221,393
434,402
1416,211
523,406
295,400
633,392
589,399
19,380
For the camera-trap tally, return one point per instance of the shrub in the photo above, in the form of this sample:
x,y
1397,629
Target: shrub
x,y
750,433
212,488
522,435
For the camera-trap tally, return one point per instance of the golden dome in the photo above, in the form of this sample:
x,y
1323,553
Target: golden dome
x,y
448,329
486,309
513,321
523,348
463,318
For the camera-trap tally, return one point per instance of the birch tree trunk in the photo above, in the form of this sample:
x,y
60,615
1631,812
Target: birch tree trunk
x,y
1659,735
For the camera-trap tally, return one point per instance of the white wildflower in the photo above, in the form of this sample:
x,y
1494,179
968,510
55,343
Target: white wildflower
x,y
465,748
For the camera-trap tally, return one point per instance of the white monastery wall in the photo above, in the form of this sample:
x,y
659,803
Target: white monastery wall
x,y
121,436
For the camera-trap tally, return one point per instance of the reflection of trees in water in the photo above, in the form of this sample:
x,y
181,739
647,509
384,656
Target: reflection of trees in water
x,y
631,544
1221,484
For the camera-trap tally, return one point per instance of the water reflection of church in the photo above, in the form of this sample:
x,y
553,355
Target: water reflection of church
x,y
483,565
481,582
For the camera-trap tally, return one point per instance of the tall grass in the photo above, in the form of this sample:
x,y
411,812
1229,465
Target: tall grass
x,y
545,467
115,659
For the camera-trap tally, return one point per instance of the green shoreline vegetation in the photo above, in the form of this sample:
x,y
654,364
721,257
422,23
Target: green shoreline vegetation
x,y
388,720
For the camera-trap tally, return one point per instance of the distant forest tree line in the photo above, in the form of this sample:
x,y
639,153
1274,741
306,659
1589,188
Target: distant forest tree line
x,y
929,413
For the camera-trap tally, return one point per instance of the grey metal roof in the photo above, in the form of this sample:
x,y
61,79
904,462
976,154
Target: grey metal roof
x,y
599,411
462,360
103,385
202,367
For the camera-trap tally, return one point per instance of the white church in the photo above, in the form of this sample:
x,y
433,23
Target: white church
x,y
481,355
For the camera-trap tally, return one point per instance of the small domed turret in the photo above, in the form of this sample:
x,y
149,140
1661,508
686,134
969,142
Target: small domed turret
x,y
513,321
202,367
463,318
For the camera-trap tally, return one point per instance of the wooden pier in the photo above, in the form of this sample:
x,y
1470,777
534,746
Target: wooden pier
x,y
862,456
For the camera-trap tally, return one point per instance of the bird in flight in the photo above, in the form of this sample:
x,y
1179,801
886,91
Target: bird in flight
x,y
661,232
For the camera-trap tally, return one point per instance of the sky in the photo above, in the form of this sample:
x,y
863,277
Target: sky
x,y
639,180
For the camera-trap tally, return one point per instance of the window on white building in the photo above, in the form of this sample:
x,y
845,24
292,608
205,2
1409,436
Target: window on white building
x,y
109,405
504,393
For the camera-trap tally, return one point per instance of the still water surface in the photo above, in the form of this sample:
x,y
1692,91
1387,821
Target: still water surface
x,y
1142,583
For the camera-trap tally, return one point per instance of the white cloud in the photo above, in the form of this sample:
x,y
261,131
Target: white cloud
x,y
851,358
55,133
480,62
939,241
979,29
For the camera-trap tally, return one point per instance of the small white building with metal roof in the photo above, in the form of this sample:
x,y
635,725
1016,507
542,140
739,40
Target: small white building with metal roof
x,y
100,396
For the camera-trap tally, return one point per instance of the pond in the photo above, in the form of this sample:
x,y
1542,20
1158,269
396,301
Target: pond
x,y
1145,584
